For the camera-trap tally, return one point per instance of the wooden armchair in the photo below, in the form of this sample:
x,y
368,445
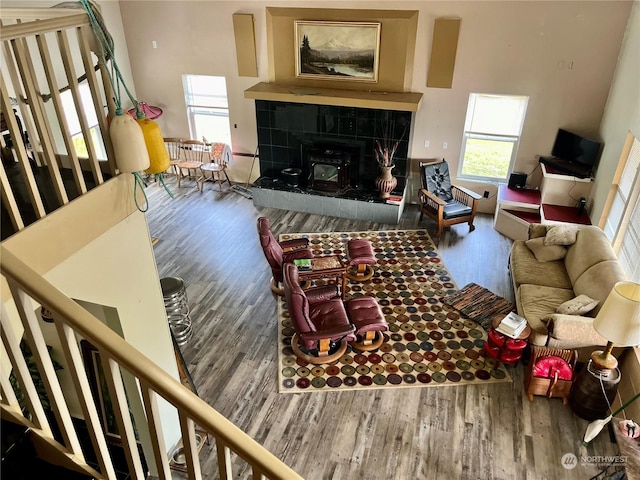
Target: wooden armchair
x,y
445,203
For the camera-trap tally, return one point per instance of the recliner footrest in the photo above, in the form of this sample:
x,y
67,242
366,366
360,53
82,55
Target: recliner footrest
x,y
365,314
361,256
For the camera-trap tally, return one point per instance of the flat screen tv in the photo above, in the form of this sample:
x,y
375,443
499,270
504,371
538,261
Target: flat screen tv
x,y
574,148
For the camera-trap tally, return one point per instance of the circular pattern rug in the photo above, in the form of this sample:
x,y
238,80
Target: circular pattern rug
x,y
428,342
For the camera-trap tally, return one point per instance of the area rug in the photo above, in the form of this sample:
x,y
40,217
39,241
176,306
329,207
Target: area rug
x,y
428,343
479,304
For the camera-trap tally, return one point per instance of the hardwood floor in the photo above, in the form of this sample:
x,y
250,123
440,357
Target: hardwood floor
x,y
467,432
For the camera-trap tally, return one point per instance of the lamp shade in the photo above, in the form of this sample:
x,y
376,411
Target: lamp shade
x,y
150,111
619,318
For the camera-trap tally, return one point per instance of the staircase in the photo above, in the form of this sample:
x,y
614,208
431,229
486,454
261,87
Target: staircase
x,y
45,277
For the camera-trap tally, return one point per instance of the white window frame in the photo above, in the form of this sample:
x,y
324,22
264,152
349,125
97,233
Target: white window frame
x,y
212,105
72,118
621,220
469,134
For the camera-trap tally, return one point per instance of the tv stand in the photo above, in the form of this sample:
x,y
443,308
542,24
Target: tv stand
x,y
559,188
564,167
554,203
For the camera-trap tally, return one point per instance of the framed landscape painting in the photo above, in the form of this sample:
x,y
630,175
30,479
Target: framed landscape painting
x,y
337,50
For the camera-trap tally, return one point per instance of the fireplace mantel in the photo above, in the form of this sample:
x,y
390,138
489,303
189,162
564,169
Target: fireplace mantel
x,y
402,101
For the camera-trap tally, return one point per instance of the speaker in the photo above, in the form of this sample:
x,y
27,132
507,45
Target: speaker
x,y
517,180
582,205
245,44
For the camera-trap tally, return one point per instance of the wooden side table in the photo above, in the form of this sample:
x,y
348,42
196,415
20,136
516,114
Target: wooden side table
x,y
326,267
502,347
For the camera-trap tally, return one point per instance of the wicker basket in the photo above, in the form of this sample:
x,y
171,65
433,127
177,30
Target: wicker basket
x,y
549,387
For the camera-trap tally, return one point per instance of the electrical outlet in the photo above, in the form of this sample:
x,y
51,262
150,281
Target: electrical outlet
x,y
426,144
154,44
486,194
445,145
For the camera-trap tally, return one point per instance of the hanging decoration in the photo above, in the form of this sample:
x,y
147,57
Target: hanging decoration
x,y
159,160
150,111
135,142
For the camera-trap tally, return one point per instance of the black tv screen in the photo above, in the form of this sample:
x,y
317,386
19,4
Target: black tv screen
x,y
574,148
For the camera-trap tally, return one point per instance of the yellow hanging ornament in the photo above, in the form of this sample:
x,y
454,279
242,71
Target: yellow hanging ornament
x,y
128,144
158,156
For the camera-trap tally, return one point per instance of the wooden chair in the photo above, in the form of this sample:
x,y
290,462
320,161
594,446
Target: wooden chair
x,y
214,171
443,202
175,152
194,154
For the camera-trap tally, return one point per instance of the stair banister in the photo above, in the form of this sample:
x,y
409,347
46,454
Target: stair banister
x,y
193,409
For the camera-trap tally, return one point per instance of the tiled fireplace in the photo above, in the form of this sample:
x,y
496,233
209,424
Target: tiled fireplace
x,y
331,149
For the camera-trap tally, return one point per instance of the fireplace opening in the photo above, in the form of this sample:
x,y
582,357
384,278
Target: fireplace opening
x,y
330,167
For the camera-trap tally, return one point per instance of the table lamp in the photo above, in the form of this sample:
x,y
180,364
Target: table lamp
x,y
618,321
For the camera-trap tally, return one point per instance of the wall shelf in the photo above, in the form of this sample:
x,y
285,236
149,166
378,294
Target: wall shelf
x,y
402,101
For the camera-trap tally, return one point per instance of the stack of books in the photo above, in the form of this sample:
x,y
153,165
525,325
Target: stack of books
x,y
512,325
303,264
394,199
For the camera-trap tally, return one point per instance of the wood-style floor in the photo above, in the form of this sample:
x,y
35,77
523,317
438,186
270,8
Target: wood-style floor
x,y
464,432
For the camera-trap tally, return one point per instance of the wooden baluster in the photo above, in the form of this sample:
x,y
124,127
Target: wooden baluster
x,y
224,460
96,94
21,152
33,334
20,369
190,447
75,365
157,437
67,60
49,71
22,55
123,417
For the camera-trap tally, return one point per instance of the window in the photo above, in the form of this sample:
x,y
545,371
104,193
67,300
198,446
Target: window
x,y
623,217
73,121
207,107
491,135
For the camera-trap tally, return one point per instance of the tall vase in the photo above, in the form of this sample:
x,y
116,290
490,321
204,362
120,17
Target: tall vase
x,y
386,182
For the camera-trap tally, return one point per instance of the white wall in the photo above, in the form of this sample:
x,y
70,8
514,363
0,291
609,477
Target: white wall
x,y
504,47
622,113
97,249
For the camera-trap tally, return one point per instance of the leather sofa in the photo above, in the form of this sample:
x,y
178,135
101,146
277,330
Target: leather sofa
x,y
590,268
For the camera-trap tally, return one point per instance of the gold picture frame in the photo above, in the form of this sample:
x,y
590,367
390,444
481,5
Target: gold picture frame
x,y
343,51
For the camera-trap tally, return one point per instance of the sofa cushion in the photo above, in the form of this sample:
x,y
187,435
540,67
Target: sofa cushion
x,y
561,235
526,269
598,281
537,230
573,331
578,306
536,302
591,247
546,253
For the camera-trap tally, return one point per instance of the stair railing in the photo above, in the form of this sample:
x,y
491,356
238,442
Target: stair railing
x,y
38,44
72,320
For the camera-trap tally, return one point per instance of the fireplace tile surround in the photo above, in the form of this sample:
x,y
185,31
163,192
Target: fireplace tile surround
x,y
287,130
284,129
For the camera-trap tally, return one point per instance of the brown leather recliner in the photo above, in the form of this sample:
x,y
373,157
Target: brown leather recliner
x,y
324,324
319,319
277,253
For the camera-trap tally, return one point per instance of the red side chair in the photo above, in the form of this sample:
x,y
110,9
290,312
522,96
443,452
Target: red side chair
x,y
319,318
278,253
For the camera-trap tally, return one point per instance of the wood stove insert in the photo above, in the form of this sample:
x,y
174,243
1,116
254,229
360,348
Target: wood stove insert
x,y
329,168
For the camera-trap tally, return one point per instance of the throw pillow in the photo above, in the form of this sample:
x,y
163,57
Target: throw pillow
x,y
546,253
561,235
578,306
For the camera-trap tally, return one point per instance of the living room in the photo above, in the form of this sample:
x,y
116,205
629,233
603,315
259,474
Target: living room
x,y
510,60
